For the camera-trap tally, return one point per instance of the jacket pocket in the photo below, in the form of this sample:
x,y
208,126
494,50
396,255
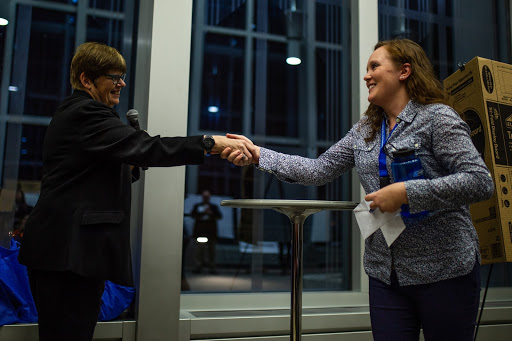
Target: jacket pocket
x,y
102,217
403,144
366,157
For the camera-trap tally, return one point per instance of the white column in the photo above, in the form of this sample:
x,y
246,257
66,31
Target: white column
x,y
167,59
365,34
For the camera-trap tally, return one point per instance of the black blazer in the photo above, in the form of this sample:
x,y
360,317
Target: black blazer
x,y
81,221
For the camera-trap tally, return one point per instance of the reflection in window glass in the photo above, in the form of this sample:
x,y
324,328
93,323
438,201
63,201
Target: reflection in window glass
x,y
245,259
69,2
106,31
23,169
50,38
241,258
449,36
329,25
333,70
275,91
222,83
111,5
270,16
329,101
3,31
31,158
225,13
251,248
448,6
230,184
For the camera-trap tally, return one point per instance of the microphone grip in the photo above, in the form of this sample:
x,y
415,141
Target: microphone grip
x,y
135,124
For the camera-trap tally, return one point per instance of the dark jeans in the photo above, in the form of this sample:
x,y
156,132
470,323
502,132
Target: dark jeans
x,y
67,304
446,310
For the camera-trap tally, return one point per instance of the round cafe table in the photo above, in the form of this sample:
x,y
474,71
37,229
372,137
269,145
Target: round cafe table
x,y
297,211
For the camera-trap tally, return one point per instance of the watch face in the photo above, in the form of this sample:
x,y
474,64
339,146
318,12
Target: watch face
x,y
208,142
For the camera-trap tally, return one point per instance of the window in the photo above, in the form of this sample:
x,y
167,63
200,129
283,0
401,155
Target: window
x,y
241,83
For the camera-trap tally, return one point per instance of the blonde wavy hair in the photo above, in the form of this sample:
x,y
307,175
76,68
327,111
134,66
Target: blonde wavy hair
x,y
422,85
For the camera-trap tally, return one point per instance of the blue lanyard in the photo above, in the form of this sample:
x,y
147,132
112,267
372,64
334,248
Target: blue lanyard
x,y
383,171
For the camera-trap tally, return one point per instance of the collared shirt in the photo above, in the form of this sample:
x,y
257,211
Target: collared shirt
x,y
440,246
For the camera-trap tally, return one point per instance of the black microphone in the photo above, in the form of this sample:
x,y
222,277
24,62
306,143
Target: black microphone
x,y
133,118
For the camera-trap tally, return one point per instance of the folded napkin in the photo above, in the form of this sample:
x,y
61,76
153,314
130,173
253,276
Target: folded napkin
x,y
369,221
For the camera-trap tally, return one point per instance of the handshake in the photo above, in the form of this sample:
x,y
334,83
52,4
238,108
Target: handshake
x,y
237,149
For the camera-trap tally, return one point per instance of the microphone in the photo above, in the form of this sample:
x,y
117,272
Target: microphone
x,y
133,118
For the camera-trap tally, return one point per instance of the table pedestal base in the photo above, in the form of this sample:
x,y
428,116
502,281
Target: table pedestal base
x,y
297,217
297,211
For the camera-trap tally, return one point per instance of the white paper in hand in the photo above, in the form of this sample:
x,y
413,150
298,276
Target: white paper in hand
x,y
391,224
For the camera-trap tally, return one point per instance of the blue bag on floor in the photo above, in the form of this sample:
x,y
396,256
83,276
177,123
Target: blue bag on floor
x,y
7,311
116,299
17,304
15,295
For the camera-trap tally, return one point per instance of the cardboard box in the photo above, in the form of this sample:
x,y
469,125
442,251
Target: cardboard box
x,y
482,94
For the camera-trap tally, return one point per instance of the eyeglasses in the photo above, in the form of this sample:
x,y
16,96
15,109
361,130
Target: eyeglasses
x,y
116,78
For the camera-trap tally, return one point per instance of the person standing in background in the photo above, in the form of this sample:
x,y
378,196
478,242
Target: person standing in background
x,y
205,216
429,277
78,234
